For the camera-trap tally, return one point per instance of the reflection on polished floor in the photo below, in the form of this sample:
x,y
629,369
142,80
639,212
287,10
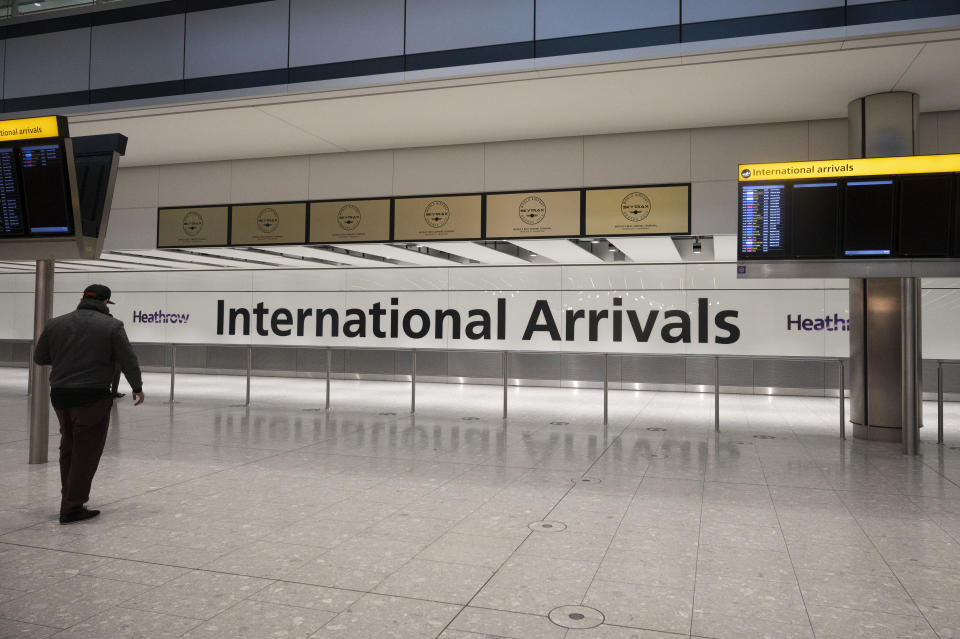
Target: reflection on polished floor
x,y
283,520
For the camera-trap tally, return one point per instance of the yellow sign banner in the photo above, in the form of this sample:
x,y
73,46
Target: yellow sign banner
x,y
455,217
533,214
853,167
350,221
640,210
195,226
29,128
269,224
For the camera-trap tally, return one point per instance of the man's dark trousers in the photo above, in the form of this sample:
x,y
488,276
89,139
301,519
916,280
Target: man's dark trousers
x,y
83,433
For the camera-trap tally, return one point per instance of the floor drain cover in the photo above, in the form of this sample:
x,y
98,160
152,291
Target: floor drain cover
x,y
470,419
740,443
589,480
656,456
559,423
764,437
386,413
955,448
576,617
547,526
656,429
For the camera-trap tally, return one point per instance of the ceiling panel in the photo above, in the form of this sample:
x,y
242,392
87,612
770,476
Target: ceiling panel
x,y
480,253
321,254
198,259
246,254
401,254
647,249
798,83
562,251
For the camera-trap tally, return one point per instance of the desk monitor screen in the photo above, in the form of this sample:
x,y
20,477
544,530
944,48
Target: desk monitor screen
x,y
11,204
45,190
815,213
762,219
868,218
925,211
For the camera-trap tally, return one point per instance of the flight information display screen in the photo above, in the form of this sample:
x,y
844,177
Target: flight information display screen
x,y
868,218
814,228
11,209
925,206
762,217
44,189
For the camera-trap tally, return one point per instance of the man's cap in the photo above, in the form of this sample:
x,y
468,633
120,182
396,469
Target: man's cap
x,y
97,292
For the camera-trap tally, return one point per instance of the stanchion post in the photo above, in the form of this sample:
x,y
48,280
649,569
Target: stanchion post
x,y
503,366
843,407
716,394
606,376
249,372
413,381
40,397
173,371
329,366
940,402
30,372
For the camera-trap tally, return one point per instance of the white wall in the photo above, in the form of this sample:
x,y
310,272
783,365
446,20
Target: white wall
x,y
706,157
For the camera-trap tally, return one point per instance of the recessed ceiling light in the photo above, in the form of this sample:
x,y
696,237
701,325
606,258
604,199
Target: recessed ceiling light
x,y
697,247
594,241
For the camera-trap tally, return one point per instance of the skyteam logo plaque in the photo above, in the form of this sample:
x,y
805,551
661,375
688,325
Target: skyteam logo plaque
x,y
268,220
532,210
636,207
437,213
192,223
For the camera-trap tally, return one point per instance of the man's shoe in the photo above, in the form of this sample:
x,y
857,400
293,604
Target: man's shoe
x,y
78,515
119,395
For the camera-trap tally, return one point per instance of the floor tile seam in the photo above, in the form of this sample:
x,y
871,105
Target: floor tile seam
x,y
793,565
890,568
30,623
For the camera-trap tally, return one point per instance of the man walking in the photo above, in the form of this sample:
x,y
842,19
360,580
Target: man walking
x,y
85,347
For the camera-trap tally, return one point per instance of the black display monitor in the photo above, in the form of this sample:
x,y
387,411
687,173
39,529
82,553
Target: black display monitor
x,y
763,217
868,218
925,215
96,162
814,223
46,190
12,223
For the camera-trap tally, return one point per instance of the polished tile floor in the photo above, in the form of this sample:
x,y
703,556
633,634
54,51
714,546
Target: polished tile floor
x,y
284,520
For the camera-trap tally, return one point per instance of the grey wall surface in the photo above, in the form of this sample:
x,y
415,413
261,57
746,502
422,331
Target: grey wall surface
x,y
137,52
436,25
327,31
563,18
248,37
706,10
47,63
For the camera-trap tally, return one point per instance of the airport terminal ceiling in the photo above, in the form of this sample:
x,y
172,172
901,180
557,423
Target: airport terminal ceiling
x,y
698,85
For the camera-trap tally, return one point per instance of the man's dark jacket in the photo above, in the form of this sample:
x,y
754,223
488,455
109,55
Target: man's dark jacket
x,y
85,347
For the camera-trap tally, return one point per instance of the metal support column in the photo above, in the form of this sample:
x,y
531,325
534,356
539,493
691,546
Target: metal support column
x,y
329,366
40,397
910,405
606,376
249,372
716,394
30,372
173,371
413,381
940,402
504,367
843,407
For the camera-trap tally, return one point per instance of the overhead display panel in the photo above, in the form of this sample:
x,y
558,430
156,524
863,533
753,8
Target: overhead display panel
x,y
350,221
533,214
454,217
194,226
12,223
256,224
868,217
646,210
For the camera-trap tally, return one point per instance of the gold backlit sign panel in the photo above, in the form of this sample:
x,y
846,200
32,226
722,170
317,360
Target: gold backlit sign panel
x,y
543,214
195,226
29,128
269,224
854,167
350,221
456,217
642,210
